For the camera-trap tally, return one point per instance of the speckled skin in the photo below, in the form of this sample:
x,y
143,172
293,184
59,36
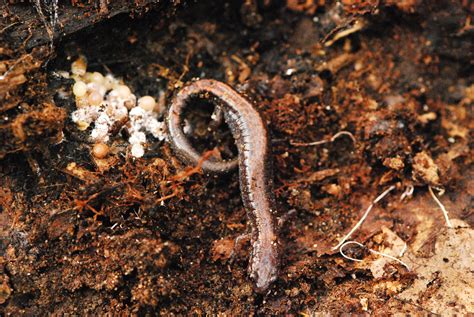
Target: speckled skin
x,y
254,160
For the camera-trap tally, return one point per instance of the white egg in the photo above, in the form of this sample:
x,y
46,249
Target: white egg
x,y
79,89
147,103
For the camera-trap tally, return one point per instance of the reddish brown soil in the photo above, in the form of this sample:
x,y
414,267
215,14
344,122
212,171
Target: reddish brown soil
x,y
150,235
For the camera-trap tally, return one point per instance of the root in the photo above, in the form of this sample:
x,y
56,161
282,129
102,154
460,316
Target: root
x,y
371,251
408,192
332,139
380,197
443,209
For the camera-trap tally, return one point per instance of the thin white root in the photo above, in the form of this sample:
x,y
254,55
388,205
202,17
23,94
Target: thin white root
x,y
335,136
346,256
372,251
332,139
443,209
408,192
403,250
440,190
381,196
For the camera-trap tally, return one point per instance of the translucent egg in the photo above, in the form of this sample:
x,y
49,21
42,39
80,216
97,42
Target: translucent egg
x,y
96,87
123,91
97,78
87,77
95,98
109,81
79,89
147,103
100,150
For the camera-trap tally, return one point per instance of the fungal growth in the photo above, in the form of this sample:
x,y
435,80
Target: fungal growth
x,y
251,136
105,103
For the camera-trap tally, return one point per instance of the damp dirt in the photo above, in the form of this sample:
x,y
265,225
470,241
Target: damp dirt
x,y
359,96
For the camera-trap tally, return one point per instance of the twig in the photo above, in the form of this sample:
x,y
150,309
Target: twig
x,y
372,251
443,209
8,26
176,180
364,216
334,137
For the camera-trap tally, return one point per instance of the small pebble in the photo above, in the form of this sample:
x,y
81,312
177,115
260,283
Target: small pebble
x,y
147,103
100,150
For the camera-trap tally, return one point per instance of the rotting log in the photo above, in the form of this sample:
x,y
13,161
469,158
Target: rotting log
x,y
33,24
29,118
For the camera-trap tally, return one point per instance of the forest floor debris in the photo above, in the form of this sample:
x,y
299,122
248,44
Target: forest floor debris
x,y
93,230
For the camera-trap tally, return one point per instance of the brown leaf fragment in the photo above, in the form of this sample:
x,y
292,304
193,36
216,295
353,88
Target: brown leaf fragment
x,y
395,163
425,170
222,249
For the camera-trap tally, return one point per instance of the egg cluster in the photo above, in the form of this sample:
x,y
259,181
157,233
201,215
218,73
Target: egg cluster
x,y
107,103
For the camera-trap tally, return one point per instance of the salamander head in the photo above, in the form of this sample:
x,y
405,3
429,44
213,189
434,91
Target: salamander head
x,y
264,266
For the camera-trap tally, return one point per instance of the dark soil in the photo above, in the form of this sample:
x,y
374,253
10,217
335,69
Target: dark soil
x,y
152,236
